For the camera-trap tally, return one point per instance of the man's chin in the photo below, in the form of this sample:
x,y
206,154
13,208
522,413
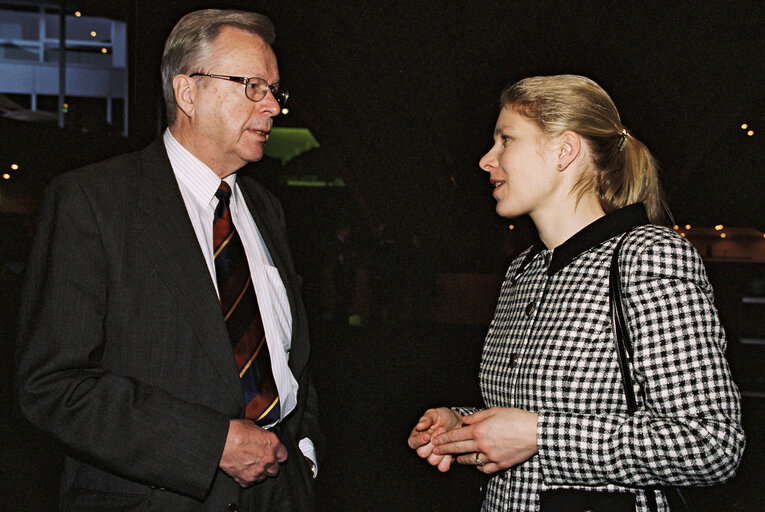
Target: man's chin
x,y
253,155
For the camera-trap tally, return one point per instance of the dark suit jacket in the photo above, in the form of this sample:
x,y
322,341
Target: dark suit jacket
x,y
123,354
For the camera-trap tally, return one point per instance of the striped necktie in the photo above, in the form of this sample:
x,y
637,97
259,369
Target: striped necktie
x,y
242,315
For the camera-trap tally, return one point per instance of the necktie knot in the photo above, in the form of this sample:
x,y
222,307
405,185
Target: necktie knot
x,y
224,195
224,192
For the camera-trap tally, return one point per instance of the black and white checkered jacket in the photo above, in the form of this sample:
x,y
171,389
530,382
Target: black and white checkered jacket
x,y
550,349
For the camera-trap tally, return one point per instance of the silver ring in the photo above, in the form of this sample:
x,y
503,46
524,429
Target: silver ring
x,y
478,459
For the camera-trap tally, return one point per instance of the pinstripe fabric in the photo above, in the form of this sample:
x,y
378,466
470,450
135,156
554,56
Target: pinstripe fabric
x,y
119,304
549,349
198,184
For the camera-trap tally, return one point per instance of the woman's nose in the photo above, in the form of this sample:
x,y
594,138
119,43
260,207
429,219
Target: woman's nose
x,y
486,162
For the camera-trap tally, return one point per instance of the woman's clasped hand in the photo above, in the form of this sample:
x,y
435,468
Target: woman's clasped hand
x,y
492,439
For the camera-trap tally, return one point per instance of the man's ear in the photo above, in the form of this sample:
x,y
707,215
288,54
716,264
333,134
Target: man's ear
x,y
570,145
185,91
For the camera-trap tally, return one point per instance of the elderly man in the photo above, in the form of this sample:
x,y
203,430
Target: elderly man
x,y
163,340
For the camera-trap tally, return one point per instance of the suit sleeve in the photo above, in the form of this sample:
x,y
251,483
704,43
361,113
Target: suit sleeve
x,y
687,430
114,422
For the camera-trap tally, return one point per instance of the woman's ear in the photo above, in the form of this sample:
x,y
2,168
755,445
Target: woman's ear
x,y
185,93
570,145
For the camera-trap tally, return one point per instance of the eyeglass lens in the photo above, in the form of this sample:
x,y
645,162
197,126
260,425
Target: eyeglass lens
x,y
257,88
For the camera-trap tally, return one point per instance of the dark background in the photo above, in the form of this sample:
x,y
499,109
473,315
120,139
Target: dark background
x,y
403,97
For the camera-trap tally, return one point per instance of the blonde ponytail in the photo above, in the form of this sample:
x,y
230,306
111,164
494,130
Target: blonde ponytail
x,y
633,178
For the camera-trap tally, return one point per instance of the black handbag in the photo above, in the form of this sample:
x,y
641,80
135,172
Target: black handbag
x,y
573,500
577,500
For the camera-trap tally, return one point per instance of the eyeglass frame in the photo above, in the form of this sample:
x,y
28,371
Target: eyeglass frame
x,y
275,89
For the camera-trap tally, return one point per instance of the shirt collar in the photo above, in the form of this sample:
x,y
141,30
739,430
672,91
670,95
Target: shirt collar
x,y
195,174
595,233
609,226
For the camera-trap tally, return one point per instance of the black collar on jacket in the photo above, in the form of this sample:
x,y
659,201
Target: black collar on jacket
x,y
615,223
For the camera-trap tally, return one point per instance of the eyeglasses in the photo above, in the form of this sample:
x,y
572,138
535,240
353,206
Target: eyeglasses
x,y
255,88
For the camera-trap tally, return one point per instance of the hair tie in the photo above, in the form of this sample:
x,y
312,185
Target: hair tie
x,y
622,140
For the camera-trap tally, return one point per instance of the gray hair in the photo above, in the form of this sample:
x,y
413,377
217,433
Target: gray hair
x,y
189,43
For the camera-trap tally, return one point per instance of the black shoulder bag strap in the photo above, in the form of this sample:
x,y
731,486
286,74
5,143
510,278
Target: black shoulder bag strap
x,y
624,351
619,327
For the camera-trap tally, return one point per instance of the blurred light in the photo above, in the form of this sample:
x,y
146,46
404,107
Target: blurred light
x,y
104,50
719,227
687,226
744,126
723,235
675,227
92,33
285,111
15,167
77,13
682,234
6,176
750,132
511,227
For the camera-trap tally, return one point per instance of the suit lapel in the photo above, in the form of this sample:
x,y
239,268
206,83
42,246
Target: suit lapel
x,y
168,237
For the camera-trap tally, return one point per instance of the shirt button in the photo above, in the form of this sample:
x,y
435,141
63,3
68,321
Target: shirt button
x,y
530,307
513,360
232,507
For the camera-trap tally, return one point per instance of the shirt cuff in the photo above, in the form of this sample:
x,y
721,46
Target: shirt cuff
x,y
306,446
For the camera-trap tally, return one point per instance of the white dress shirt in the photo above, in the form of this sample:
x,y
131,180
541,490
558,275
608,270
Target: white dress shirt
x,y
198,184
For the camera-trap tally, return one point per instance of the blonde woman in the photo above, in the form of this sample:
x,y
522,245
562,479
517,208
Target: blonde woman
x,y
555,414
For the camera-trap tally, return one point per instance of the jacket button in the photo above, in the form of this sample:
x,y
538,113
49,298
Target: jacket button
x,y
232,507
530,307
